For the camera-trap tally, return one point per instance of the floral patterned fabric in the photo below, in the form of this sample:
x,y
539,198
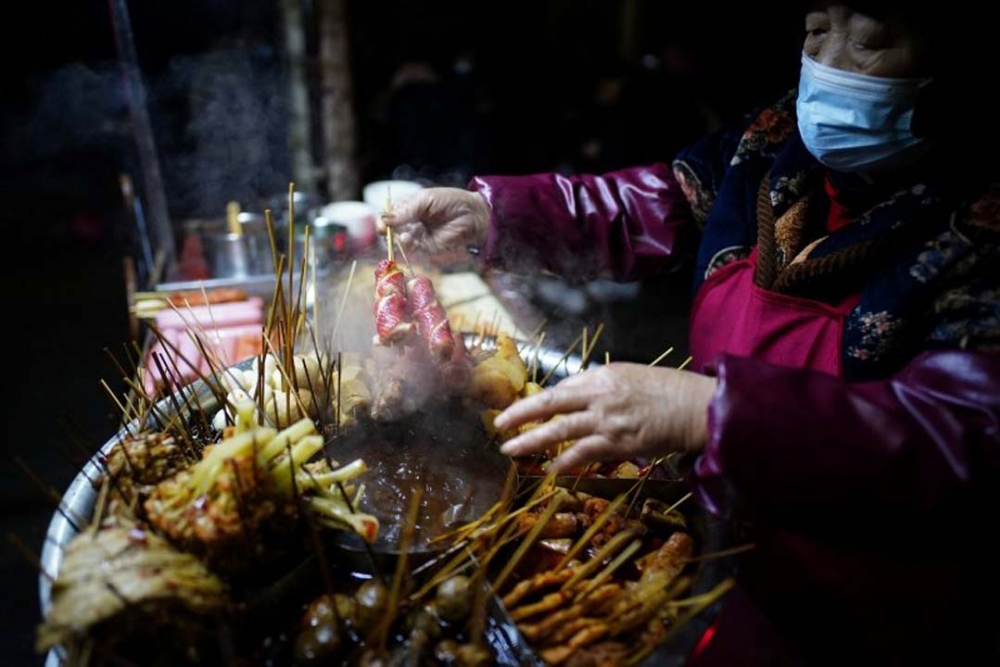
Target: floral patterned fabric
x,y
923,249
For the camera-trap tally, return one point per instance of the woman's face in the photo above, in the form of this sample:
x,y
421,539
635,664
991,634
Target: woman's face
x,y
838,36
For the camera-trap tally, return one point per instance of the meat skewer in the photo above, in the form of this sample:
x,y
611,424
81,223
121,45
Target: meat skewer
x,y
431,319
390,309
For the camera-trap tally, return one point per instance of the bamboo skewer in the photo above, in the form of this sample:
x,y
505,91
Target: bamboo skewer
x,y
613,545
315,298
562,359
680,502
528,541
406,260
50,494
290,303
300,299
291,393
603,575
343,304
588,535
703,602
642,480
538,495
397,579
589,349
233,219
662,356
388,229
724,553
28,554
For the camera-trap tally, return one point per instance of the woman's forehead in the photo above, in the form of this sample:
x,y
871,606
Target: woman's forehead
x,y
890,13
878,9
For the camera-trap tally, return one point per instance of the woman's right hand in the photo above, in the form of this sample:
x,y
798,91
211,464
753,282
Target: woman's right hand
x,y
438,221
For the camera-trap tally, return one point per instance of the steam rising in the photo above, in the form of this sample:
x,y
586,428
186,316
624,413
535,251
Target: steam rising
x,y
218,118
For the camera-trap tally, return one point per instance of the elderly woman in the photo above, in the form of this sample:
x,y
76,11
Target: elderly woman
x,y
845,331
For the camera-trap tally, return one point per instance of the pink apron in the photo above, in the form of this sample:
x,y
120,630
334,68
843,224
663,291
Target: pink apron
x,y
732,315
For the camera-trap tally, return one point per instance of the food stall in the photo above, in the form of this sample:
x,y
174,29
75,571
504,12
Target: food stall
x,y
307,469
336,494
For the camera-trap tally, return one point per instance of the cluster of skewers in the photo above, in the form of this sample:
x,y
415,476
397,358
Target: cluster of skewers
x,y
586,580
196,514
190,508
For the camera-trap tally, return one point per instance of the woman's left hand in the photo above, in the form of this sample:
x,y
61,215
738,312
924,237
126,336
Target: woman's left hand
x,y
616,412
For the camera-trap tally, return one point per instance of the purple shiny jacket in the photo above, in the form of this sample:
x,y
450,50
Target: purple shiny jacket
x,y
798,451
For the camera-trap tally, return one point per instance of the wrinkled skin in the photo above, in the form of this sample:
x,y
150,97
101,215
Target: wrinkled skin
x,y
620,411
837,36
439,220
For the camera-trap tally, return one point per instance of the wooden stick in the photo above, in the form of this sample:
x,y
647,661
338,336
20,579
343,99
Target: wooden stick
x,y
696,600
461,533
723,553
322,377
593,340
28,555
291,235
343,305
217,389
289,342
509,535
388,229
397,578
215,325
315,304
291,393
299,300
642,480
269,221
528,541
599,522
406,260
275,296
680,502
340,374
233,218
610,548
662,356
114,399
51,494
175,423
534,361
685,364
609,570
197,326
702,602
565,356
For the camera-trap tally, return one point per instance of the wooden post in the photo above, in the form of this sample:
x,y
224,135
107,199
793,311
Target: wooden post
x,y
299,142
337,101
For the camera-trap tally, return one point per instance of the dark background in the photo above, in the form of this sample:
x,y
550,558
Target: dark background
x,y
443,91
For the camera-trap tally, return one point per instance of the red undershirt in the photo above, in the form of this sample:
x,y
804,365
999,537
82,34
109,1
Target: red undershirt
x,y
838,216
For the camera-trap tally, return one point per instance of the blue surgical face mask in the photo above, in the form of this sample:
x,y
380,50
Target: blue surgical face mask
x,y
854,122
